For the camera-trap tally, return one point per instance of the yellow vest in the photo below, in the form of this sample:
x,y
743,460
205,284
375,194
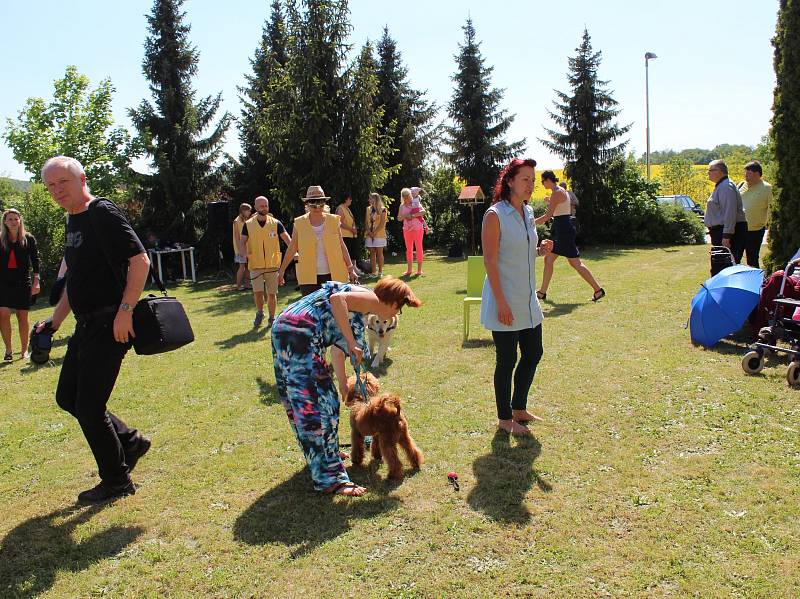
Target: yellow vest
x,y
371,220
347,221
263,247
237,233
307,248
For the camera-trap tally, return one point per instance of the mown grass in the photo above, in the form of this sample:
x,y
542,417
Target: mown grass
x,y
660,470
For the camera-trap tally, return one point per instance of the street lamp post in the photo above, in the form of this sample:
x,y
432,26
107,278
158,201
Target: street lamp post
x,y
647,57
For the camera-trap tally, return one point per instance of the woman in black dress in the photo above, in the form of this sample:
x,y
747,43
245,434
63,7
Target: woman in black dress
x,y
560,211
18,257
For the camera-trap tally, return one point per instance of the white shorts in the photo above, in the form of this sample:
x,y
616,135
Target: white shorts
x,y
377,242
240,259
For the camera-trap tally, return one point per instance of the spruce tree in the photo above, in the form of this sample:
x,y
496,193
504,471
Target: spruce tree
x,y
184,163
407,120
251,177
784,228
589,140
476,138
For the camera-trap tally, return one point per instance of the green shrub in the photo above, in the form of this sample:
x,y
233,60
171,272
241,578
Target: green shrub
x,y
45,221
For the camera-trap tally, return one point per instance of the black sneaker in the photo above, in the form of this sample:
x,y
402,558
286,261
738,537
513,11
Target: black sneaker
x,y
106,492
141,449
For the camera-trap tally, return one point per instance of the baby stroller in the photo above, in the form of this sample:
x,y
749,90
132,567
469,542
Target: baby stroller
x,y
781,328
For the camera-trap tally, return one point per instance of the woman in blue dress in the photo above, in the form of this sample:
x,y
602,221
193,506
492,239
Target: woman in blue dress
x,y
332,316
509,307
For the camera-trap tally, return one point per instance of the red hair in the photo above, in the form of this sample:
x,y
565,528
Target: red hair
x,y
394,292
501,187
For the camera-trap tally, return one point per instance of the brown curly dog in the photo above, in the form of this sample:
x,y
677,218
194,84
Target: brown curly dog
x,y
380,417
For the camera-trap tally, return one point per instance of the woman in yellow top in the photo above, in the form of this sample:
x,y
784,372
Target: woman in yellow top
x,y
349,230
375,231
317,237
245,210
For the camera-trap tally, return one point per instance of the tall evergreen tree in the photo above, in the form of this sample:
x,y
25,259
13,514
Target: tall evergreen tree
x,y
407,116
588,143
184,163
477,136
365,148
407,120
784,231
252,175
318,125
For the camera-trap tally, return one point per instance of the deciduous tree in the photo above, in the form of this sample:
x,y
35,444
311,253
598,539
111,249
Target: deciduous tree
x,y
77,122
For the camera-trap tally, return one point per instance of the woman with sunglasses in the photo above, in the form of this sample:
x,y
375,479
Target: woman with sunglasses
x,y
317,238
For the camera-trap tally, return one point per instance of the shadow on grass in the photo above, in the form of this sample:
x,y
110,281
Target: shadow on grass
x,y
557,310
503,478
267,392
294,515
475,343
228,299
382,368
250,336
34,552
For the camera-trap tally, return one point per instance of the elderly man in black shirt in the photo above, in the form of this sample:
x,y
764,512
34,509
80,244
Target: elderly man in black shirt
x,y
107,268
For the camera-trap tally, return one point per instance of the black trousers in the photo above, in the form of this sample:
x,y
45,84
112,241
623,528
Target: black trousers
x,y
738,240
752,246
530,348
88,375
352,243
309,288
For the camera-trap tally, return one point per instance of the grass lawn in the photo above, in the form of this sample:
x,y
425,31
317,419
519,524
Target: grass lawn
x,y
661,469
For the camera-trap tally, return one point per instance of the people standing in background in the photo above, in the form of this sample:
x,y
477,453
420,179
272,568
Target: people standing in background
x,y
413,231
559,209
317,237
725,218
756,198
245,210
259,240
349,230
375,232
417,209
18,257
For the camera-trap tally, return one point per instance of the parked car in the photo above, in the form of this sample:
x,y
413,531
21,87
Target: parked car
x,y
683,201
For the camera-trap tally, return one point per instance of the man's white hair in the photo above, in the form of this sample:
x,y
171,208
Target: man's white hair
x,y
67,162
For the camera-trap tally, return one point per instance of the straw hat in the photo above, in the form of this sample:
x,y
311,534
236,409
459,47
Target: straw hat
x,y
315,192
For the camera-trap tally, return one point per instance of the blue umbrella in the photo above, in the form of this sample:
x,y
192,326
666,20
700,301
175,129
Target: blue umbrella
x,y
724,302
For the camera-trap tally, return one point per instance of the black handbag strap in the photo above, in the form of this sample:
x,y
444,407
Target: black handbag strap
x,y
91,208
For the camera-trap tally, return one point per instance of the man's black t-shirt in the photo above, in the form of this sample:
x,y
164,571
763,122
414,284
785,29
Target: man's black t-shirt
x,y
91,284
281,228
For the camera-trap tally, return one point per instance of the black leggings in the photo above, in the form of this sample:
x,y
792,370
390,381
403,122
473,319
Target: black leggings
x,y
530,345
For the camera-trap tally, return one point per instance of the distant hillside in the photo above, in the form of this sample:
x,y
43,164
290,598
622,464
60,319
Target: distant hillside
x,y
17,184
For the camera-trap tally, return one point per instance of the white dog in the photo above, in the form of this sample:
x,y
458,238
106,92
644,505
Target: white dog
x,y
380,333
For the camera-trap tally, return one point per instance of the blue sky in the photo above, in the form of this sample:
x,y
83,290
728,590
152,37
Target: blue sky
x,y
712,82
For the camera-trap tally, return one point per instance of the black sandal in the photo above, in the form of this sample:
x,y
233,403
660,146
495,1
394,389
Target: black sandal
x,y
599,294
8,357
540,295
340,488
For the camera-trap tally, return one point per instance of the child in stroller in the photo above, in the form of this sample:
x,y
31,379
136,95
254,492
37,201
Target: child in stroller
x,y
780,299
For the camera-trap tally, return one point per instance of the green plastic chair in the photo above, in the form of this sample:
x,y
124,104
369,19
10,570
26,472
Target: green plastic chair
x,y
476,272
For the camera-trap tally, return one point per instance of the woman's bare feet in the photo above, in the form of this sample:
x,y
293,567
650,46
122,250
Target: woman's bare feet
x,y
349,489
525,416
513,428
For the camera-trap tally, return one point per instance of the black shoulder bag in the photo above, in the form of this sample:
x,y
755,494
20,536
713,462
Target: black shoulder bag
x,y
159,322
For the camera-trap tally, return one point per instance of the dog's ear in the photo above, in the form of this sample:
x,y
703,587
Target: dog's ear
x,y
392,323
351,391
371,320
373,386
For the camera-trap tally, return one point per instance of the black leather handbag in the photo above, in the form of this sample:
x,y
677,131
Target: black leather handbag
x,y
159,322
